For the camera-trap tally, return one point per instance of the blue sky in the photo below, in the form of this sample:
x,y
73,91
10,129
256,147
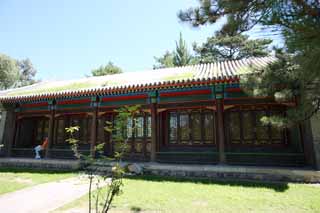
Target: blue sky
x,y
66,39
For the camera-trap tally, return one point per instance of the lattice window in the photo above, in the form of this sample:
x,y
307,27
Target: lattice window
x,y
139,127
208,127
84,133
173,127
191,127
148,128
245,127
196,127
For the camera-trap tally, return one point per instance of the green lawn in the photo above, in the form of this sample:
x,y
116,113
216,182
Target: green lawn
x,y
152,194
14,179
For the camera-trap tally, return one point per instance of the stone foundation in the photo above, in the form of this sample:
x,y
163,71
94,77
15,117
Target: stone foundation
x,y
215,172
224,172
235,173
46,164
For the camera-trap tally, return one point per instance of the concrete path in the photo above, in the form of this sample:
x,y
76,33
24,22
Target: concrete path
x,y
44,197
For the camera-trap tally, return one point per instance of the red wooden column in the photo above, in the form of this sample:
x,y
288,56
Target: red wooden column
x,y
51,128
154,126
94,127
220,122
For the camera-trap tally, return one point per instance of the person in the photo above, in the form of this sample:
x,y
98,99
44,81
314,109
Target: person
x,y
41,147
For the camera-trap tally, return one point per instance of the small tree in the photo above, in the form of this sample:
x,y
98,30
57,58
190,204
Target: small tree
x,y
109,69
9,72
164,61
179,57
115,177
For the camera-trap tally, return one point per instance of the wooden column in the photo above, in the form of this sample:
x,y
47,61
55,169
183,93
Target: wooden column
x,y
221,136
154,127
50,132
308,146
11,127
94,129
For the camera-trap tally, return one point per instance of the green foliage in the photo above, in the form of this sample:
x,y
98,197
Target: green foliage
x,y
72,141
179,57
27,73
117,129
108,69
297,72
182,56
165,61
15,73
230,47
9,72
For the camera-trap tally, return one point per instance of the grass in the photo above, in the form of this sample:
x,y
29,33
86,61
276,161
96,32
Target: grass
x,y
15,179
153,194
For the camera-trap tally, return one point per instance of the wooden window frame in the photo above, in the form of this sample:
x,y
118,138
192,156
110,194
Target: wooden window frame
x,y
190,113
253,113
84,134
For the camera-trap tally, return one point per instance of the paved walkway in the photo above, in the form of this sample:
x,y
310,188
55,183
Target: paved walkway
x,y
44,197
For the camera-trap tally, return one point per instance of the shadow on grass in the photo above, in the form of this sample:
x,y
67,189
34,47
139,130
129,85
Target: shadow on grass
x,y
135,209
34,170
276,186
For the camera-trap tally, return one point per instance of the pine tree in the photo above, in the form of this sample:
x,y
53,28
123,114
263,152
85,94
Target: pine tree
x,y
179,57
230,47
182,56
298,64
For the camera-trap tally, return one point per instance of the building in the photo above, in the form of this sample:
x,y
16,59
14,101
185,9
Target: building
x,y
192,114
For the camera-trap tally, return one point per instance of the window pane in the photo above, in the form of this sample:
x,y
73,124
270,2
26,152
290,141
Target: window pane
x,y
139,127
247,123
46,128
101,131
60,131
208,128
276,133
173,127
262,131
235,127
184,127
89,123
129,128
196,127
149,126
39,130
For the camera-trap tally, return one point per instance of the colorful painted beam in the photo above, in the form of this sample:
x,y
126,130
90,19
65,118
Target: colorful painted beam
x,y
234,90
71,103
34,106
186,95
123,99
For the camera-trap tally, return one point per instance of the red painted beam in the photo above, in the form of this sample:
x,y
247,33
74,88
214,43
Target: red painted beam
x,y
123,98
81,101
233,89
34,105
184,93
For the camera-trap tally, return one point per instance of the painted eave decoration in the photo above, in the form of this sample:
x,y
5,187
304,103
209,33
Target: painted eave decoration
x,y
138,82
